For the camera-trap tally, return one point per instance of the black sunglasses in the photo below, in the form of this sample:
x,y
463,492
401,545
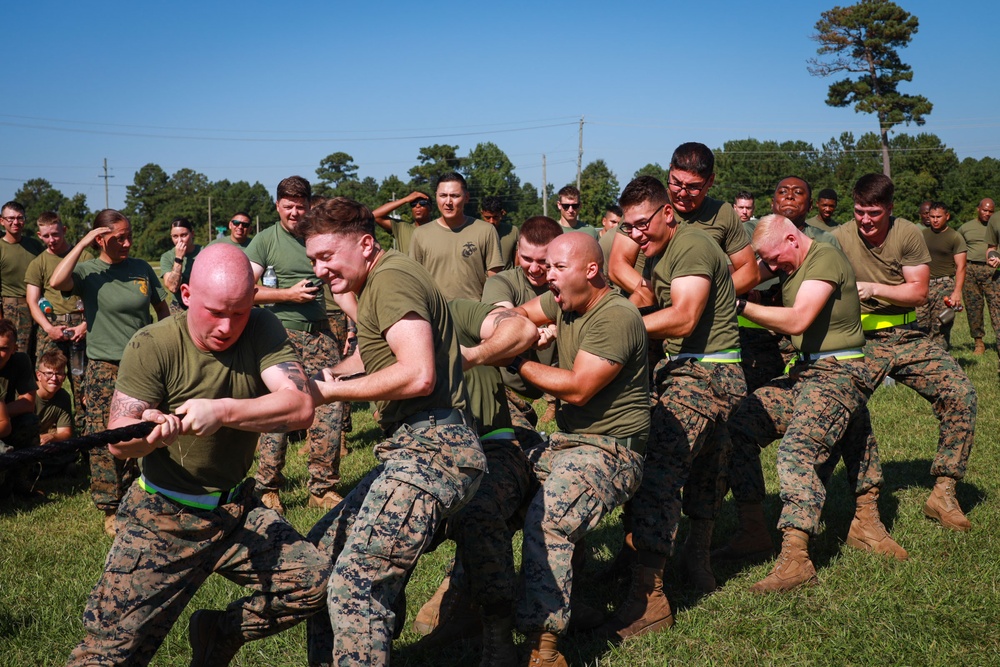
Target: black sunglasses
x,y
244,225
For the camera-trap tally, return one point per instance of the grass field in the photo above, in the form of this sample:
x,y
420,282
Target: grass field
x,y
942,607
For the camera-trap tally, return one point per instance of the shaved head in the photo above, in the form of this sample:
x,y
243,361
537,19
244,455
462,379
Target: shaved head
x,y
574,271
579,245
219,297
222,268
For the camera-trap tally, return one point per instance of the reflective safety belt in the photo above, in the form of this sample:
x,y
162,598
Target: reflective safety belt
x,y
748,324
840,355
499,434
207,501
730,356
876,321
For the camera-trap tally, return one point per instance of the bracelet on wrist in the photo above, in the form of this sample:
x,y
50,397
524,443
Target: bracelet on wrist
x,y
178,260
515,366
741,305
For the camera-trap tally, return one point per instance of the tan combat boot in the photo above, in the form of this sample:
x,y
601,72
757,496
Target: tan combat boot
x,y
544,650
980,347
942,506
868,533
448,616
646,609
793,568
498,641
327,501
752,541
695,560
110,523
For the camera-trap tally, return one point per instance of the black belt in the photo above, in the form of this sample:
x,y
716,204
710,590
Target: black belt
x,y
307,327
971,262
69,318
436,417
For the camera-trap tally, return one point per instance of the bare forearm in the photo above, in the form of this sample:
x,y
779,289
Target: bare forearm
x,y
22,405
559,382
277,412
746,277
395,382
172,279
512,337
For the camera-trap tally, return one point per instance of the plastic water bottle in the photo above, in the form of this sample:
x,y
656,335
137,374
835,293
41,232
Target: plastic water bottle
x,y
270,278
77,358
47,310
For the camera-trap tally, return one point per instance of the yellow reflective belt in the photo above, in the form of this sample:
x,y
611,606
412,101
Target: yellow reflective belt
x,y
747,324
876,321
839,355
730,356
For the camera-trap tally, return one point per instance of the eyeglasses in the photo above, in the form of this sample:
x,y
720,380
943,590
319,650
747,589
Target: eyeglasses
x,y
51,375
239,223
14,218
569,206
690,188
641,225
422,202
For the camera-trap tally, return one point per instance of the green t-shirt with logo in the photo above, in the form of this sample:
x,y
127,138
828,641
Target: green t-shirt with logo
x,y
458,259
692,252
487,398
838,324
396,286
163,366
57,412
276,247
943,246
612,329
720,221
903,246
14,261
40,271
116,302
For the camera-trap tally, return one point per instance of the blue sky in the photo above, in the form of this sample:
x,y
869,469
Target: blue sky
x,y
247,91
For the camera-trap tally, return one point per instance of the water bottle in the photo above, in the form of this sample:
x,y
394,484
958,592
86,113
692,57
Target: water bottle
x,y
270,278
77,358
47,310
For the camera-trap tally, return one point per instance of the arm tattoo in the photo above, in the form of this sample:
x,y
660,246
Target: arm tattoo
x,y
124,406
293,371
501,316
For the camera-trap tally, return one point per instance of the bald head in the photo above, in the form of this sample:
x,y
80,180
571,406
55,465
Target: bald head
x,y
579,245
985,210
224,269
219,297
574,271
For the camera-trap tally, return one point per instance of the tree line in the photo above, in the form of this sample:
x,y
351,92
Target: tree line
x,y
923,168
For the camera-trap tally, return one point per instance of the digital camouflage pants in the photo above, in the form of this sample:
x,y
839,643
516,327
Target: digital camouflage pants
x,y
927,314
376,534
315,351
583,477
982,289
164,552
16,310
110,476
811,410
688,449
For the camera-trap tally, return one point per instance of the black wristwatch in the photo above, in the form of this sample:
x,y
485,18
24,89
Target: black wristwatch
x,y
178,260
515,366
741,304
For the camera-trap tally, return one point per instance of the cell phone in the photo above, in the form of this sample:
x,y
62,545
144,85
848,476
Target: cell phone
x,y
316,282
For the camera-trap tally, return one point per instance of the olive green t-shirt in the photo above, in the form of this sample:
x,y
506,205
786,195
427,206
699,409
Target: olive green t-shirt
x,y
487,398
993,231
230,241
943,246
838,324
57,412
16,377
612,329
287,254
163,366
692,252
581,226
14,261
167,265
402,233
38,274
116,302
903,246
458,259
720,221
396,286
818,223
508,235
974,233
512,286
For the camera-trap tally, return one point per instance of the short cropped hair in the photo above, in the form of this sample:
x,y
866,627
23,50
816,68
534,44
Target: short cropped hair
x,y
294,187
569,191
540,230
337,215
694,157
827,193
53,359
874,190
7,329
15,206
49,218
491,204
614,208
743,194
451,177
642,189
938,204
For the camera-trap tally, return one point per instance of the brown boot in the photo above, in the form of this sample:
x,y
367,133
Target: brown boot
x,y
110,523
793,568
646,609
550,411
695,560
868,533
980,347
752,541
942,506
272,501
498,641
327,501
448,616
544,650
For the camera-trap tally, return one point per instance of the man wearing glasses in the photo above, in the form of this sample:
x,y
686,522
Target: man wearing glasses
x,y
239,231
402,231
569,212
16,252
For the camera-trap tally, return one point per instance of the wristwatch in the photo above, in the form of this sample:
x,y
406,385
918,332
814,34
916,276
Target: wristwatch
x,y
515,366
178,260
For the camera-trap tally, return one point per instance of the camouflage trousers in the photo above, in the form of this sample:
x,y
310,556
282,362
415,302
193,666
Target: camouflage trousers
x,y
16,310
688,448
77,383
910,358
164,551
927,320
981,289
763,359
583,477
811,410
110,476
522,412
481,528
339,329
315,351
376,534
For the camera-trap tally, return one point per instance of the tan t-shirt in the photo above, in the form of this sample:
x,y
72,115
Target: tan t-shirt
x,y
720,221
458,259
396,286
14,261
41,269
943,246
903,246
838,324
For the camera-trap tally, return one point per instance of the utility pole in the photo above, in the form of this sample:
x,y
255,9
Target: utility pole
x,y
545,190
105,177
579,156
209,219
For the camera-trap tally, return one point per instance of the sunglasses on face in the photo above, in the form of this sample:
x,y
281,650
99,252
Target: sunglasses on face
x,y
569,206
238,223
422,202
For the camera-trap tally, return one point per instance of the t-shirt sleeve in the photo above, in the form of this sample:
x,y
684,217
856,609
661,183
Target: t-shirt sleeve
x,y
697,260
824,266
494,262
142,372
257,251
959,246
468,316
33,274
271,343
497,289
608,336
736,236
549,306
993,231
392,303
914,250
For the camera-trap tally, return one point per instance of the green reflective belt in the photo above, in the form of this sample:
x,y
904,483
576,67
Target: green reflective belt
x,y
747,324
207,501
499,434
876,321
730,356
839,355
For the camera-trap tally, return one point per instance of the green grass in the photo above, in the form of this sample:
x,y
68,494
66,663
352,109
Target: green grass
x,y
942,607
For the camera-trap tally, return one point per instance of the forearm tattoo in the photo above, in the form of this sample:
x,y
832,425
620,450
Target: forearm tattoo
x,y
126,407
293,371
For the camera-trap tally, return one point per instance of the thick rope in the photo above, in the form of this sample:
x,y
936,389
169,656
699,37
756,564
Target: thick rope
x,y
82,443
